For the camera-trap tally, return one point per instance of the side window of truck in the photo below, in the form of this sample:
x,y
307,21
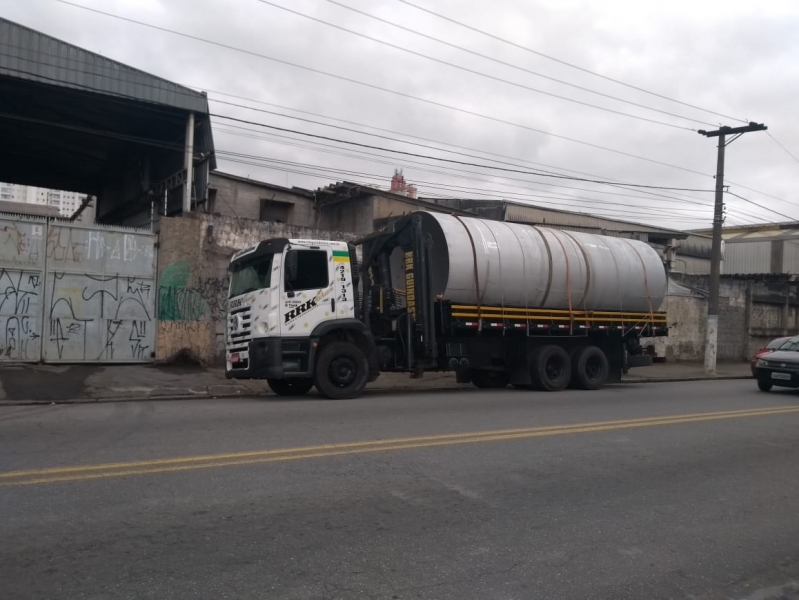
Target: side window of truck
x,y
311,271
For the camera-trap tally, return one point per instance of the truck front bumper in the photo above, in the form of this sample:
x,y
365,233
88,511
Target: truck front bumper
x,y
273,358
264,360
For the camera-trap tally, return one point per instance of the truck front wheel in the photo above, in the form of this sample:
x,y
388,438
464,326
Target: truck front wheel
x,y
341,371
550,368
290,387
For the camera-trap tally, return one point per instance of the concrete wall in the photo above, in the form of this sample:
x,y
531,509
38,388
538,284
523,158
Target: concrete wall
x,y
751,313
193,279
356,214
235,197
687,318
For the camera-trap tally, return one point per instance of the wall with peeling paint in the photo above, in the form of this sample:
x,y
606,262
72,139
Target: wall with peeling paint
x,y
194,252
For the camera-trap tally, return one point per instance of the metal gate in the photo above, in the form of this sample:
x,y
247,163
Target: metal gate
x,y
22,257
76,293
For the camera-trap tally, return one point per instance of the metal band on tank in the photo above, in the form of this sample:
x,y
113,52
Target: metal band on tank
x,y
568,282
549,270
499,262
476,274
587,266
524,265
646,284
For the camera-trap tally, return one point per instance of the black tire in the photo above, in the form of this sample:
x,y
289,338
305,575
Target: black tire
x,y
290,387
341,371
486,379
590,368
550,369
764,386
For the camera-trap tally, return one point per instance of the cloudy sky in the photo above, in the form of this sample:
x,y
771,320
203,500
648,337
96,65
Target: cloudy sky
x,y
739,59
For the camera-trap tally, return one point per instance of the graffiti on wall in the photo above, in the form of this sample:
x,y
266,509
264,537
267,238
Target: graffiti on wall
x,y
21,244
19,314
99,317
80,246
180,302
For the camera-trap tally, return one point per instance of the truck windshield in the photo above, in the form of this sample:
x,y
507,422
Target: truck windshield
x,y
251,276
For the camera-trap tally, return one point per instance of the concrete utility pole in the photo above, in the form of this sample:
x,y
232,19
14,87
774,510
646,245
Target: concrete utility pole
x,y
712,333
188,163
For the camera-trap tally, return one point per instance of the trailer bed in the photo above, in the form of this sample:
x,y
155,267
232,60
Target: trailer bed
x,y
544,321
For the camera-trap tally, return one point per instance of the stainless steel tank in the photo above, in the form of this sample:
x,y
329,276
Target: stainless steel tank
x,y
525,266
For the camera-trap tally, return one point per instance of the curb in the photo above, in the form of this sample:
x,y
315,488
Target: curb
x,y
208,395
693,378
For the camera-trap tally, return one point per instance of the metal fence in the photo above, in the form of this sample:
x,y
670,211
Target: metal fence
x,y
76,293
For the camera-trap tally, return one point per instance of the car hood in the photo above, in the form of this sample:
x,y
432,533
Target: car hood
x,y
782,356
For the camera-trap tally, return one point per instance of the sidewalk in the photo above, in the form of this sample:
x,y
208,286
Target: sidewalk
x,y
27,383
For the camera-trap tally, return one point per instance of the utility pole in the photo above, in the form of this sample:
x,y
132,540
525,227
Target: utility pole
x,y
712,333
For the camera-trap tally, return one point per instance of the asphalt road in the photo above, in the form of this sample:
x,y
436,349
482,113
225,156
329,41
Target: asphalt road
x,y
682,490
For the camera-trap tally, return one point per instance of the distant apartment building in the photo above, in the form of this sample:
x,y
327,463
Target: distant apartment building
x,y
65,202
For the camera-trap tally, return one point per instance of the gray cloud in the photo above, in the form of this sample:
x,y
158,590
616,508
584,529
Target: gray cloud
x,y
738,58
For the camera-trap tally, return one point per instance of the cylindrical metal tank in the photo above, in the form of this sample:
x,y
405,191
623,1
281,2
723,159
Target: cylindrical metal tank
x,y
537,267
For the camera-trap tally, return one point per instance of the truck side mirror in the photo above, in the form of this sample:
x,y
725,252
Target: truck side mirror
x,y
291,266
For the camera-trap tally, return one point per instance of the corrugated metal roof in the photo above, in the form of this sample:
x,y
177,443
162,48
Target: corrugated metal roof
x,y
741,233
28,54
521,213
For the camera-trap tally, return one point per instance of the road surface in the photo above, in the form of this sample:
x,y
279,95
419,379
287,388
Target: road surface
x,y
681,490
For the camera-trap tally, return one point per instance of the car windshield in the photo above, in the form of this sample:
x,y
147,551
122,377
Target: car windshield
x,y
250,276
792,345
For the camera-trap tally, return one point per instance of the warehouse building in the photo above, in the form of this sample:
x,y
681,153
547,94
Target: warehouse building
x,y
74,120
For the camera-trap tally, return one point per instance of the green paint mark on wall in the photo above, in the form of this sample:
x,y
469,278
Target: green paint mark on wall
x,y
176,300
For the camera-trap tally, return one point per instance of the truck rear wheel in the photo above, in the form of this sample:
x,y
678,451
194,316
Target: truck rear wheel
x,y
486,379
341,371
590,368
550,369
290,387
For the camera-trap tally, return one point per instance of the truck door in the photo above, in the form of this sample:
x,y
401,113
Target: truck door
x,y
308,294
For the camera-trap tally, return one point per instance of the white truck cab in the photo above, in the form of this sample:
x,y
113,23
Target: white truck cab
x,y
287,298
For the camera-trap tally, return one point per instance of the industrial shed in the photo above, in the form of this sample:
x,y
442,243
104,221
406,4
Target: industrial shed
x,y
768,248
74,120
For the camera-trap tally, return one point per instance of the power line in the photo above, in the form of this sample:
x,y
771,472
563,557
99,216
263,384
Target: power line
x,y
117,96
387,90
788,152
592,202
474,71
511,65
570,197
482,166
157,143
362,155
122,96
761,206
565,63
325,175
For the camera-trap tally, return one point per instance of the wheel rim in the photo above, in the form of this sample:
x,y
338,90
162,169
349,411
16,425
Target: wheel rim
x,y
343,371
593,369
554,369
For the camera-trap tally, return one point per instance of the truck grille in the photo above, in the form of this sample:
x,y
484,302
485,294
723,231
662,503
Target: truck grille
x,y
239,329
